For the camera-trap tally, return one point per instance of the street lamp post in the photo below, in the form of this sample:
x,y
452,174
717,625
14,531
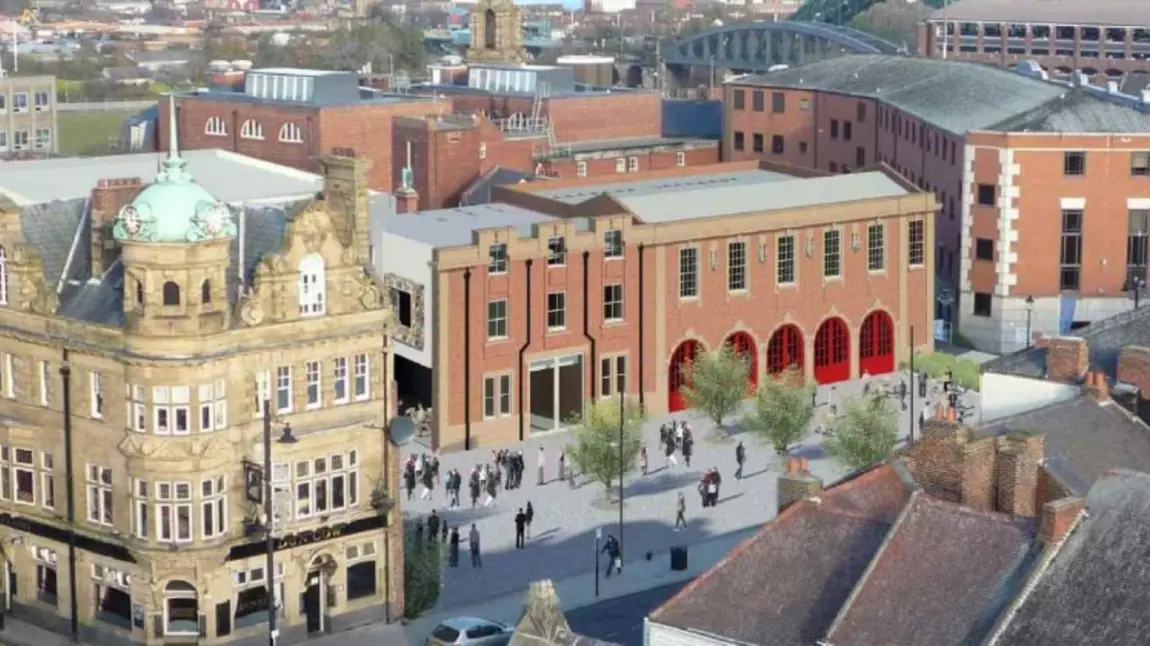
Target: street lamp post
x,y
1029,312
913,387
622,422
70,497
598,537
1135,287
269,516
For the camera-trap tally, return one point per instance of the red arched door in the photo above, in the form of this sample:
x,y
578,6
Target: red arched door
x,y
785,350
832,352
677,373
876,344
744,346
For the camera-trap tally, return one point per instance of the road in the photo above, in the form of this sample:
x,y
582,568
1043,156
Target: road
x,y
620,620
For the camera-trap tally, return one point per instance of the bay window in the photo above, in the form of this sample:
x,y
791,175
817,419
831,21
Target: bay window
x,y
323,485
213,507
173,512
213,406
99,495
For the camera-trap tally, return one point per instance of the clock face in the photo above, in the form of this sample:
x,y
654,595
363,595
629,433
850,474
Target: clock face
x,y
215,218
132,220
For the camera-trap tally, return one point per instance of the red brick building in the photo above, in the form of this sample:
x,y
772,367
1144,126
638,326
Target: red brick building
x,y
291,116
514,314
1029,174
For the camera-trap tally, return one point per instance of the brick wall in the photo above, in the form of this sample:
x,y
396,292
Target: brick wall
x,y
1134,368
368,128
109,196
597,117
1067,357
650,159
1018,463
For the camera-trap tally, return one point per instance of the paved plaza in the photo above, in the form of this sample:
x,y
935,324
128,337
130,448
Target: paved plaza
x,y
563,532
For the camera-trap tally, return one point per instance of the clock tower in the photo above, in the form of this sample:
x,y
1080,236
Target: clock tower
x,y
176,241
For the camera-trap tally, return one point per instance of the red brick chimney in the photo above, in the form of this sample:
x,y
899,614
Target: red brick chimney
x,y
1057,518
1067,358
1097,386
406,201
1019,457
109,196
1134,368
797,484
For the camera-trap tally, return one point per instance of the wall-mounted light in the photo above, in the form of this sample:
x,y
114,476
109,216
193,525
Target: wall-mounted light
x,y
810,245
855,241
762,252
714,259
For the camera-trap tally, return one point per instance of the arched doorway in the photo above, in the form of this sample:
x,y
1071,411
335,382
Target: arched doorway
x,y
876,344
677,373
744,346
785,350
832,352
314,597
181,609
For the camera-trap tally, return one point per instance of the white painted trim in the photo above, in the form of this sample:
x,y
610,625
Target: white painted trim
x,y
1138,203
1072,202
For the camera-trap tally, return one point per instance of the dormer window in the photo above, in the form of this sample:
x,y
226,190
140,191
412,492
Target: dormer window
x,y
311,285
206,292
216,127
171,293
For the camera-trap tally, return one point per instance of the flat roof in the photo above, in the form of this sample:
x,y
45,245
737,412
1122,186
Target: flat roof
x,y
719,200
453,227
578,194
1117,13
300,71
230,177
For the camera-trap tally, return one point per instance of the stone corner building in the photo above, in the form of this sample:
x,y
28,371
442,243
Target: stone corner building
x,y
177,316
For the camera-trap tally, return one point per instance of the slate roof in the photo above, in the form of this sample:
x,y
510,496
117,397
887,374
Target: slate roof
x,y
942,577
479,192
584,192
784,585
960,96
454,227
1105,340
1061,12
1084,440
1097,589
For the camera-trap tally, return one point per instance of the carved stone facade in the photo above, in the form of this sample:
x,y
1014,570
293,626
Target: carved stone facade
x,y
411,334
496,33
170,348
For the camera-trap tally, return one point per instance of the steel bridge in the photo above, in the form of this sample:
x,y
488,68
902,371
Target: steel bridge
x,y
757,46
841,12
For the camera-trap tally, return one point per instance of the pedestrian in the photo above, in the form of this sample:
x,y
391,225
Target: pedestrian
x,y
614,559
716,481
444,533
740,458
542,465
530,514
419,532
688,444
520,529
491,491
428,482
643,459
473,542
409,478
681,513
922,384
434,465
474,486
669,449
453,550
432,527
562,465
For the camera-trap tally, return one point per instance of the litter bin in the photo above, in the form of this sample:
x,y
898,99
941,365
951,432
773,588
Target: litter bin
x,y
679,558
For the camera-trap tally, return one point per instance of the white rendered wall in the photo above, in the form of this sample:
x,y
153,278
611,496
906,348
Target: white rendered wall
x,y
411,260
1005,395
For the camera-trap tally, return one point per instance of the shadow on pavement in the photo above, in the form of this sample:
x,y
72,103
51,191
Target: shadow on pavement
x,y
664,481
810,452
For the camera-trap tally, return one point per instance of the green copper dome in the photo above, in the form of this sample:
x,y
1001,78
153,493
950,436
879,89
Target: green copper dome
x,y
174,208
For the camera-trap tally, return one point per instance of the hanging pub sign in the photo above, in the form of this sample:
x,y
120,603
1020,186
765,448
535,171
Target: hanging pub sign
x,y
253,481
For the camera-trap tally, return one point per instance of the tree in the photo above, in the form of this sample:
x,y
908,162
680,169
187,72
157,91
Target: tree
x,y
865,433
716,383
782,411
422,573
896,22
596,449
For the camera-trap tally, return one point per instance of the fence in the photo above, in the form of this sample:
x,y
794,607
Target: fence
x,y
105,106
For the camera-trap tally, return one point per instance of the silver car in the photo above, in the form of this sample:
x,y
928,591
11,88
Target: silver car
x,y
471,631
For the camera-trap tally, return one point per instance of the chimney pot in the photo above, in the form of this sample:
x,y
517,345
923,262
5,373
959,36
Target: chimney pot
x,y
1057,518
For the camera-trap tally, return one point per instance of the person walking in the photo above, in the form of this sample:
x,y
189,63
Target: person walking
x,y
520,529
643,459
473,542
530,514
740,458
562,465
614,560
542,466
669,449
432,527
688,443
681,513
453,550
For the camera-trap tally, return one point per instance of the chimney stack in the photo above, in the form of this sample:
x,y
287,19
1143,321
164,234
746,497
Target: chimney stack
x,y
1134,368
1057,518
109,196
1067,358
1019,456
797,484
1097,386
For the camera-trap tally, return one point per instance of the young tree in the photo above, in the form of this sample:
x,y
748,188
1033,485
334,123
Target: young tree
x,y
782,411
716,383
422,573
866,432
595,451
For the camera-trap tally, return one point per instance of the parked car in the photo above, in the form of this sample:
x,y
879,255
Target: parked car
x,y
470,631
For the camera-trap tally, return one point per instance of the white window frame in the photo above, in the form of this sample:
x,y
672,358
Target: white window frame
x,y
737,266
311,285
832,254
140,512
47,481
483,150
26,467
171,410
876,247
340,382
361,377
620,164
99,506
42,370
313,483
95,396
252,129
213,406
613,246
263,381
632,164
785,261
497,319
612,375
613,311
556,311
680,160
290,133
581,169
136,408
313,371
284,398
688,272
213,507
172,499
216,127
497,396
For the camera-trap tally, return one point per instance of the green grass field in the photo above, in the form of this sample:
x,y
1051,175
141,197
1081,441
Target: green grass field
x,y
88,133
